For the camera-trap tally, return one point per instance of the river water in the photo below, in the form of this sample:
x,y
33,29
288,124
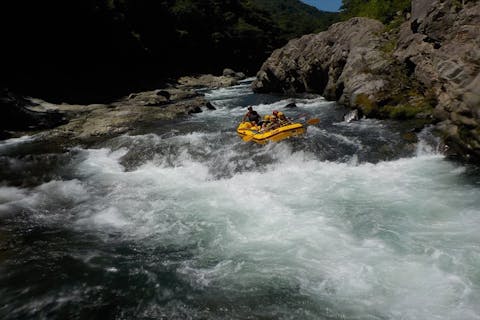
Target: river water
x,y
185,220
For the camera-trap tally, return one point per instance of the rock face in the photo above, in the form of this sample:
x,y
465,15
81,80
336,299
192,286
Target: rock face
x,y
350,63
441,42
427,68
340,64
229,78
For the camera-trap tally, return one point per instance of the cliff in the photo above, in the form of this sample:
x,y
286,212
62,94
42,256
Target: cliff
x,y
425,69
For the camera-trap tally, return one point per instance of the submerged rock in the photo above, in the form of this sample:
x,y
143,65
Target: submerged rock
x,y
291,105
210,106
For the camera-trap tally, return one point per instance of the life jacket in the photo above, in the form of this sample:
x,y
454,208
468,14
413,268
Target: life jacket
x,y
281,117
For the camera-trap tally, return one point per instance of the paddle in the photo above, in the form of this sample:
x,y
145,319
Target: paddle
x,y
308,121
313,121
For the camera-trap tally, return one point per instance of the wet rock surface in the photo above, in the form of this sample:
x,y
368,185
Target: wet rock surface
x,y
81,124
442,44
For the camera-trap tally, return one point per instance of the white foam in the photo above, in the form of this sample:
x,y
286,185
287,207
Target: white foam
x,y
102,160
338,232
110,217
9,196
228,93
15,141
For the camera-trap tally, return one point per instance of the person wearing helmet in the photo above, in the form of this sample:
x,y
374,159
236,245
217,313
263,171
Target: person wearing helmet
x,y
282,119
252,116
265,122
273,123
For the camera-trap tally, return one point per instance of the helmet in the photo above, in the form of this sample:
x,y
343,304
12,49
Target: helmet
x,y
266,117
275,111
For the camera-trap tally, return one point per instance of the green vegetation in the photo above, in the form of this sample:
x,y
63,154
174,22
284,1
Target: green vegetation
x,y
367,106
383,10
205,35
401,108
403,111
296,18
388,47
82,45
209,35
407,100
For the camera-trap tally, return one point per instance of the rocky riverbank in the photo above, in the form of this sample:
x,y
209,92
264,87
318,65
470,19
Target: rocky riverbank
x,y
70,124
426,69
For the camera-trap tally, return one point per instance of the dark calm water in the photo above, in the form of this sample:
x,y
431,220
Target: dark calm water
x,y
184,220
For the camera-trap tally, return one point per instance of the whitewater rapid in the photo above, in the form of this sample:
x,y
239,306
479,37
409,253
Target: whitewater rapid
x,y
194,223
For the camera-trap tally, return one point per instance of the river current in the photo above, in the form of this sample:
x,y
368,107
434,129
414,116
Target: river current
x,y
184,220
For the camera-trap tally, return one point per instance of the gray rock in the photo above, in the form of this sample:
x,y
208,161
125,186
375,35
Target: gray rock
x,y
206,81
443,44
227,72
92,122
210,106
291,105
163,93
239,75
340,63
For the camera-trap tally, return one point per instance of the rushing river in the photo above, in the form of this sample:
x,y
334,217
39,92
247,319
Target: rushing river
x,y
185,220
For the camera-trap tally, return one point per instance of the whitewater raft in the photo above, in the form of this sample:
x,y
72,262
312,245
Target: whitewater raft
x,y
248,132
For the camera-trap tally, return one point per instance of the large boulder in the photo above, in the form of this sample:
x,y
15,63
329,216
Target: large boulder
x,y
207,81
343,63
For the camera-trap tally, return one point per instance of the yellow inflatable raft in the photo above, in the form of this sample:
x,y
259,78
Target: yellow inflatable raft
x,y
249,132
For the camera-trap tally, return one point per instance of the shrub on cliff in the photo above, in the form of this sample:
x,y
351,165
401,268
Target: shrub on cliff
x,y
383,10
